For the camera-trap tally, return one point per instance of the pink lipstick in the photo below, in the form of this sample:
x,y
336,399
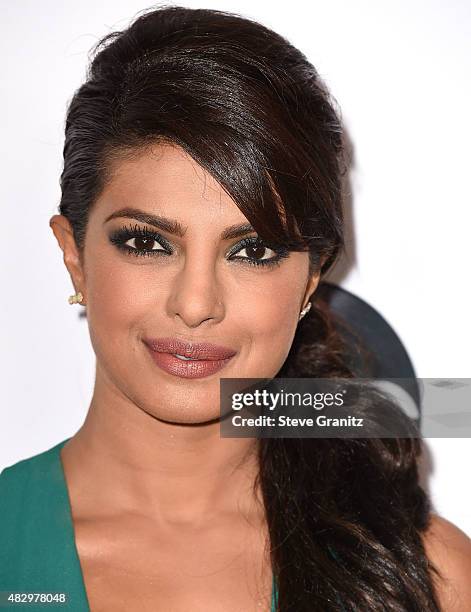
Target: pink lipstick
x,y
188,359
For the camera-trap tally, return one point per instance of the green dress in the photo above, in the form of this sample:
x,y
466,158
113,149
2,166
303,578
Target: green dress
x,y
37,540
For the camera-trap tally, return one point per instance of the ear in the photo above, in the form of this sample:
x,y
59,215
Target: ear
x,y
63,232
312,283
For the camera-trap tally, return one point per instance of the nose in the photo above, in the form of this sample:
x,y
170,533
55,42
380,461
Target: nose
x,y
196,293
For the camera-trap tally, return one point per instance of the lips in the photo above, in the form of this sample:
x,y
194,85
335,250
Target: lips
x,y
193,350
203,360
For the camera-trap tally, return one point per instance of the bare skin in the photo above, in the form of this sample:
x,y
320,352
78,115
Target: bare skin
x,y
449,549
165,513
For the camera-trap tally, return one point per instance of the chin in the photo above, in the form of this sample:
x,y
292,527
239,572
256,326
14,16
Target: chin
x,y
187,404
186,416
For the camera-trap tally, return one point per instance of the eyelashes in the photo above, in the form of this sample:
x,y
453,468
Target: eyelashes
x,y
149,243
256,245
143,240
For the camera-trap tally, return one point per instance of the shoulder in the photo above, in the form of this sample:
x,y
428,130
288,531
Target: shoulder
x,y
29,476
449,550
15,475
30,491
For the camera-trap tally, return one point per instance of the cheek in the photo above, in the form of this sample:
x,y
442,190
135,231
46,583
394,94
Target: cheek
x,y
268,314
120,296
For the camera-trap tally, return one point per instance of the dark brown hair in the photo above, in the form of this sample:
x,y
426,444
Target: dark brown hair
x,y
345,516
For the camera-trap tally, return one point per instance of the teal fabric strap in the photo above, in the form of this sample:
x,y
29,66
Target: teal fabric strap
x,y
37,544
274,596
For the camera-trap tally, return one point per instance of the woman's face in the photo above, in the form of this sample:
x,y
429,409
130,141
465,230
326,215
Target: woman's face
x,y
195,285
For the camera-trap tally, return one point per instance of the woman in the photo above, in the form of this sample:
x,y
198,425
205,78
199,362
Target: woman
x,y
201,205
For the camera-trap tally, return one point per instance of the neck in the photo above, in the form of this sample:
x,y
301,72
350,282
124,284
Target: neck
x,y
124,459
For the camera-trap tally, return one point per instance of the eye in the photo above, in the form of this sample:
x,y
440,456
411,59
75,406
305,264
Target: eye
x,y
143,244
257,253
140,241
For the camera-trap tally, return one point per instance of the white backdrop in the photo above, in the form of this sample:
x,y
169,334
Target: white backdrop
x,y
400,72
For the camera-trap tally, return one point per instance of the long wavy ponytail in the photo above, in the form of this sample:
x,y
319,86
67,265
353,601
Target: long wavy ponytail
x,y
345,516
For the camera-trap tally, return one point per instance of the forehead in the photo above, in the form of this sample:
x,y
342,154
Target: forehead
x,y
164,179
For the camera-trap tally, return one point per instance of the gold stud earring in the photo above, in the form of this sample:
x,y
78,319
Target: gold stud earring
x,y
305,310
77,298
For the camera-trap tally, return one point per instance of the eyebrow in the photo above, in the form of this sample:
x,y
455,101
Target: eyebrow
x,y
171,226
